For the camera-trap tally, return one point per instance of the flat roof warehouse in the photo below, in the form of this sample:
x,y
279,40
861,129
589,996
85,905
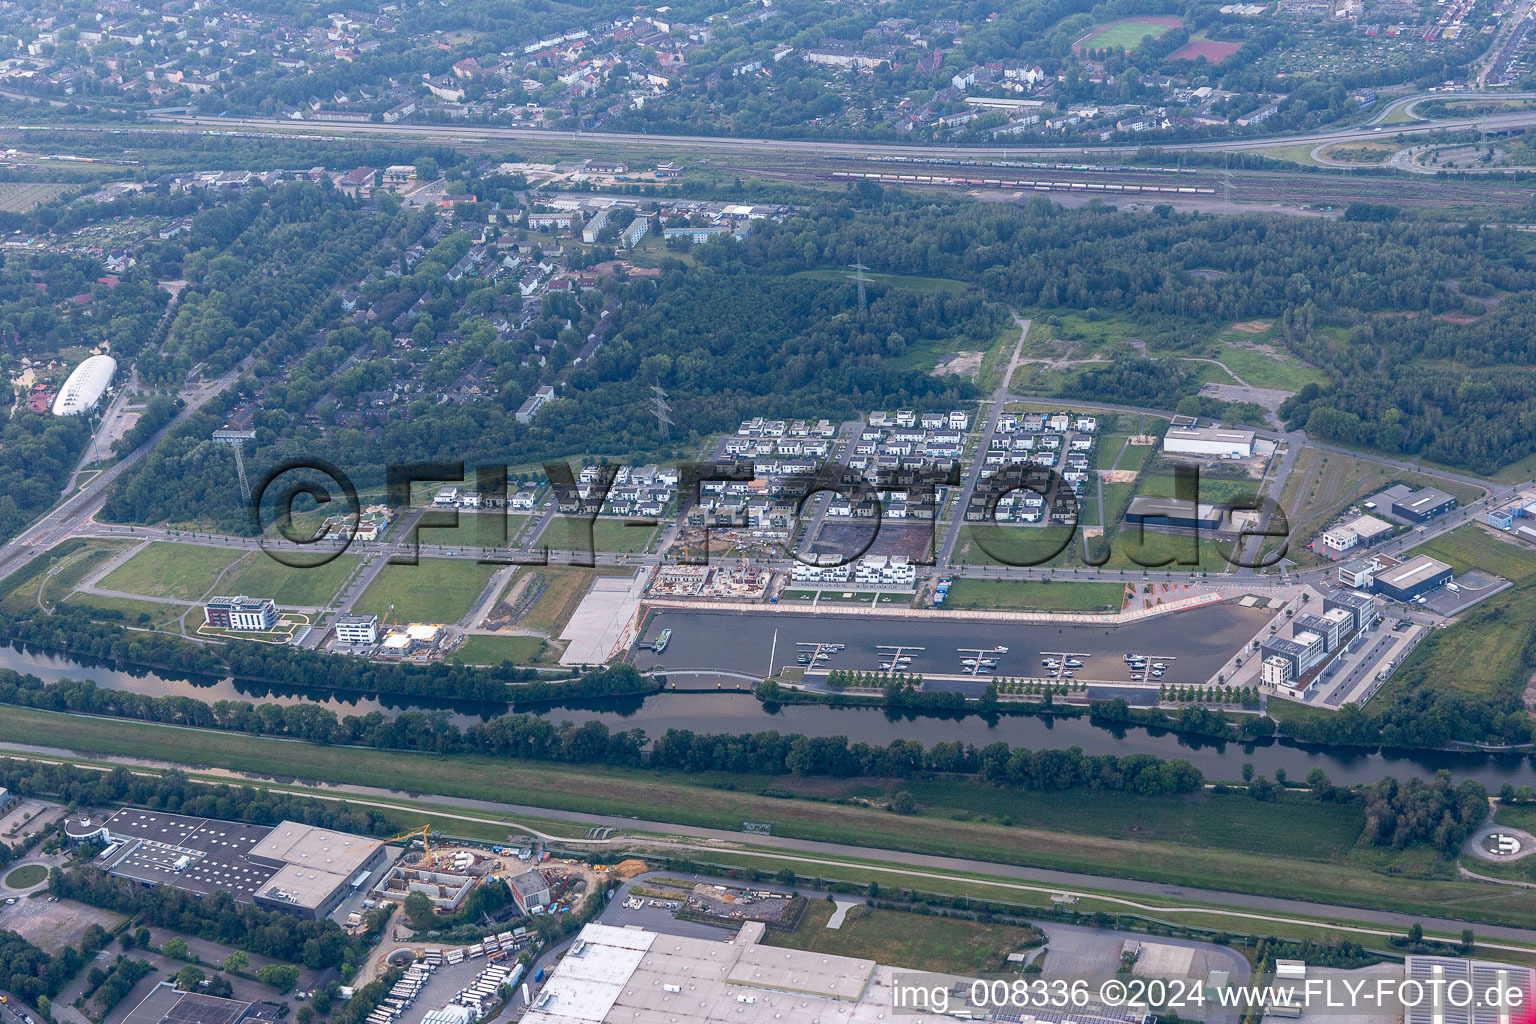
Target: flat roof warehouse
x,y
294,867
631,976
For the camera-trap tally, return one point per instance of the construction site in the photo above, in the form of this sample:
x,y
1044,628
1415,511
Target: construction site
x,y
446,874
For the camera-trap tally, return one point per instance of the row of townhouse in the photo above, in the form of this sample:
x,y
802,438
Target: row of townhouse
x,y
1054,422
886,450
757,426
954,420
893,504
884,571
753,512
785,447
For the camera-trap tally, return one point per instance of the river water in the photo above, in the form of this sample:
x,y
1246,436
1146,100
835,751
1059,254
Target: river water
x,y
727,712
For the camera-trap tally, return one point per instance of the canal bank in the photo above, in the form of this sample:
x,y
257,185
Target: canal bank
x,y
736,713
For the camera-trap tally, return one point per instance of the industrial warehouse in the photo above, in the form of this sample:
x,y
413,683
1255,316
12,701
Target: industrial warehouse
x,y
295,868
1395,578
627,974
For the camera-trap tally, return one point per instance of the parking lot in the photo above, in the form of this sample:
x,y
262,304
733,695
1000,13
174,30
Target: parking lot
x,y
53,926
1471,587
26,817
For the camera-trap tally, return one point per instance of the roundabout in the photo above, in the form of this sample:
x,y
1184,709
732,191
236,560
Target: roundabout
x,y
26,877
1501,844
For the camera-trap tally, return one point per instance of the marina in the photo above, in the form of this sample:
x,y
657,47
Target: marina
x,y
939,648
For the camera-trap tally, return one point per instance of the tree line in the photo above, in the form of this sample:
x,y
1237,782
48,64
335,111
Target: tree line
x,y
535,738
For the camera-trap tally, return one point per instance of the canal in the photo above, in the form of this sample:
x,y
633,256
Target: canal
x,y
728,712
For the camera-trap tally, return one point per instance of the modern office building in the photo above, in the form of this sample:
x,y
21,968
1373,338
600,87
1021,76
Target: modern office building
x,y
357,629
1360,606
246,613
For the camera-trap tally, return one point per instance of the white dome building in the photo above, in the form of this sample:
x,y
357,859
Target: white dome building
x,y
85,386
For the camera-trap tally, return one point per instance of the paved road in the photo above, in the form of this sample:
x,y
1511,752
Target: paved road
x,y
69,516
978,461
1247,911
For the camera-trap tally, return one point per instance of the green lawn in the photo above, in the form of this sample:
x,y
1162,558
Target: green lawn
x,y
1517,816
1265,371
135,612
169,569
1038,596
917,941
1475,546
1481,653
1213,490
438,590
260,575
1296,825
475,530
61,574
493,650
26,876
609,535
1124,35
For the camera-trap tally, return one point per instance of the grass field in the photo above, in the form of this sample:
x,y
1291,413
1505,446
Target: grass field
x,y
135,612
26,876
1038,596
476,530
1321,484
1125,34
437,590
23,197
918,941
493,650
1517,816
563,588
1260,370
1480,653
925,353
1030,546
260,575
1475,546
169,569
62,575
609,535
1219,854
1213,489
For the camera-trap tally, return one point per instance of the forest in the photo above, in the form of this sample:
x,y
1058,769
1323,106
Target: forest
x,y
1414,812
1384,307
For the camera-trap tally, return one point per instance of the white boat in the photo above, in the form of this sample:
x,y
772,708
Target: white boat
x,y
1000,649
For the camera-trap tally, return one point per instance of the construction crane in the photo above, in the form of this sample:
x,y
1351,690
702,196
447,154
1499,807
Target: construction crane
x,y
422,832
